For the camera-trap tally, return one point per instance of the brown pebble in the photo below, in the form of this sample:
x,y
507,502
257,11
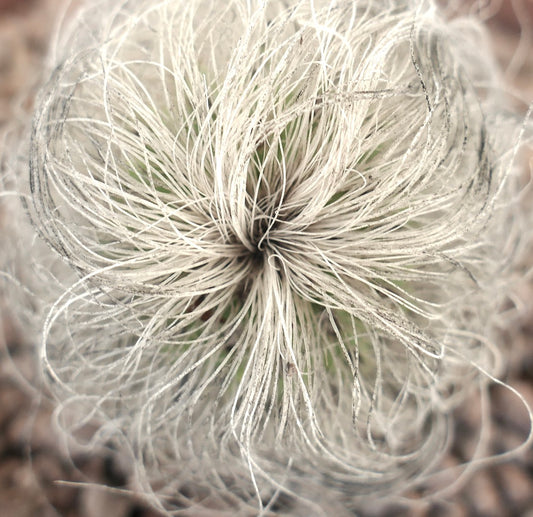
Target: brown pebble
x,y
516,484
484,497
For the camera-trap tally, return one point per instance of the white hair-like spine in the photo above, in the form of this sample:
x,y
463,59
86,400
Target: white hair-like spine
x,y
287,219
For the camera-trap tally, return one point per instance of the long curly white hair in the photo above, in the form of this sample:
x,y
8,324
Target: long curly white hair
x,y
291,227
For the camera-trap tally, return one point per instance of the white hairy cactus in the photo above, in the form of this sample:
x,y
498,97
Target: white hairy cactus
x,y
289,225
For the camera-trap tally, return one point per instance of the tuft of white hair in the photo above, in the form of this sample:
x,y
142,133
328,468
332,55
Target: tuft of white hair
x,y
291,226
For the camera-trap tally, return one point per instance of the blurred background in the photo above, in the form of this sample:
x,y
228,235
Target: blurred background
x,y
32,458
